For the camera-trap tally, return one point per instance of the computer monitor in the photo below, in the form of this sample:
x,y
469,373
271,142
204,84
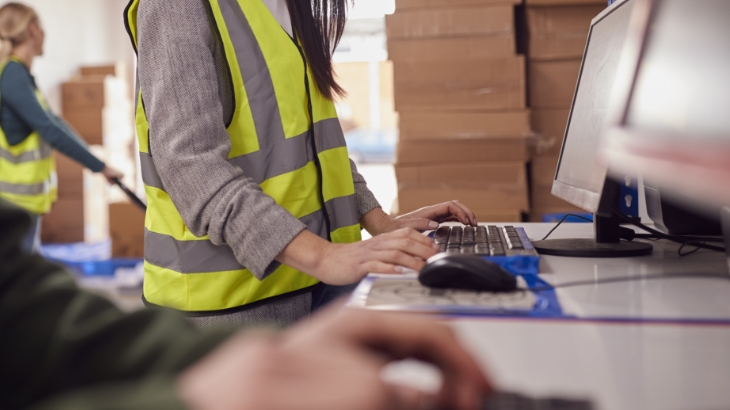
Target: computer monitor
x,y
670,112
670,118
581,176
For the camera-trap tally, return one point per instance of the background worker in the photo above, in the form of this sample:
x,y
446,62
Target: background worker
x,y
245,164
28,128
64,348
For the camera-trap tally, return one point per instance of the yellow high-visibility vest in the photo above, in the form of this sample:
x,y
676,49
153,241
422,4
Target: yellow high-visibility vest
x,y
284,135
28,170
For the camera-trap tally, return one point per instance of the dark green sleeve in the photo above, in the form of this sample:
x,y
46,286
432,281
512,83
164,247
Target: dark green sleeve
x,y
57,341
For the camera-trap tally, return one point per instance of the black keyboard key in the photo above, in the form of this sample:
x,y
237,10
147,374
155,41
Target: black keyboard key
x,y
442,235
482,236
482,249
455,236
469,237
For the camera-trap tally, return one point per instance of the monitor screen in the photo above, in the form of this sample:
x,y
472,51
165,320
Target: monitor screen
x,y
579,165
682,86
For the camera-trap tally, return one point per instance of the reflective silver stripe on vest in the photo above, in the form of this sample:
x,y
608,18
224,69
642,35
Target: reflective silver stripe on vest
x,y
150,177
256,76
286,156
202,256
23,189
43,152
329,134
342,212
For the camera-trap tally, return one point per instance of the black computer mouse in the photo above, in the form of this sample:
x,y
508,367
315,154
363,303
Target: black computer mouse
x,y
467,272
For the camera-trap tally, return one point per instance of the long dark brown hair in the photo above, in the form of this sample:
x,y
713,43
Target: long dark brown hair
x,y
319,25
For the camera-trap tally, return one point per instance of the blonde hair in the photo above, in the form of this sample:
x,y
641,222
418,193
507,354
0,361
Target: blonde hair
x,y
15,19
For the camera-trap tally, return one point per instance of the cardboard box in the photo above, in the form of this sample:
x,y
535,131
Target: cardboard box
x,y
439,125
70,177
126,228
543,201
65,222
451,22
86,93
118,69
80,214
549,126
461,151
88,123
500,185
497,215
410,200
552,83
559,32
83,219
564,2
543,170
455,48
420,4
489,84
483,215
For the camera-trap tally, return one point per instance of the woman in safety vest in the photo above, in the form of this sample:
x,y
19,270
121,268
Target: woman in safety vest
x,y
254,208
29,131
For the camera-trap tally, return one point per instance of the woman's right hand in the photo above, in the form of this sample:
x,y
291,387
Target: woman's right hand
x,y
344,264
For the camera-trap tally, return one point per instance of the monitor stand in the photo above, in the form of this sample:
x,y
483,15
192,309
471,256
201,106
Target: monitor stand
x,y
607,244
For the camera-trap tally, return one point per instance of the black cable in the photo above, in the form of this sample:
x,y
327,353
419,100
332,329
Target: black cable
x,y
563,220
682,237
631,279
681,255
672,238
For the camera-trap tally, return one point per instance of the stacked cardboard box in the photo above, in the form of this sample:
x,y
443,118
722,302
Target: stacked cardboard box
x,y
126,228
557,36
97,104
80,214
460,94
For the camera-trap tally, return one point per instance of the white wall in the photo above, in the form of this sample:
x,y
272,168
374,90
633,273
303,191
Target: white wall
x,y
78,32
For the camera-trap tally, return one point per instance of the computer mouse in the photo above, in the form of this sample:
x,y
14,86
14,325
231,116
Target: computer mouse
x,y
467,272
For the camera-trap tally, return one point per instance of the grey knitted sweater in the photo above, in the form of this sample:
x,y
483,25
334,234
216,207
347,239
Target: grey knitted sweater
x,y
186,87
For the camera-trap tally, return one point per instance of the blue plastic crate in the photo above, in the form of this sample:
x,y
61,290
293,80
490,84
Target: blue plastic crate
x,y
555,218
88,259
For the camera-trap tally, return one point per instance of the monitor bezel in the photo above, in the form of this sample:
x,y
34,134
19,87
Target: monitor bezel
x,y
595,202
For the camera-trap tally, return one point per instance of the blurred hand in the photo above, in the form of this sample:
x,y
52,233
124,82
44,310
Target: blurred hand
x,y
343,264
333,362
111,174
378,222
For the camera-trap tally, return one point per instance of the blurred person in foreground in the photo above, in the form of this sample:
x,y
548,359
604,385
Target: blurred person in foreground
x,y
29,131
64,348
254,209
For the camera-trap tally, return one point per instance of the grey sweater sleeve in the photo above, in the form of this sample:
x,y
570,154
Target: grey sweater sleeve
x,y
366,201
189,141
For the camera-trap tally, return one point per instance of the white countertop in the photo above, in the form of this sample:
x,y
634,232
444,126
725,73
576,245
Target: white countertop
x,y
621,365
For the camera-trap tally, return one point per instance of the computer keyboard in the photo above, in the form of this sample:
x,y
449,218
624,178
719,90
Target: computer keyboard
x,y
489,240
514,401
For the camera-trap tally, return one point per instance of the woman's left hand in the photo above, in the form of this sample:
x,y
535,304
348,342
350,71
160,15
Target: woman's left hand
x,y
111,174
378,222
